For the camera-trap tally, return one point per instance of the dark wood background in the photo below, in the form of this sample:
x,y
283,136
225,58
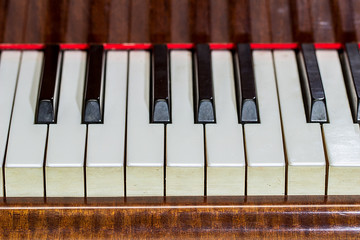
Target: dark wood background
x,y
119,21
141,21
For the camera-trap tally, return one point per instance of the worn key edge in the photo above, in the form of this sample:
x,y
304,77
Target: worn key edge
x,y
206,112
161,112
249,112
160,108
92,112
312,71
93,108
349,73
45,112
43,104
247,107
205,108
319,110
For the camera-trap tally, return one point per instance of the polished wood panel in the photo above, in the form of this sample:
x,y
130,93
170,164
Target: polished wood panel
x,y
315,217
3,6
344,26
322,20
77,22
160,21
14,21
281,21
118,21
239,19
200,20
34,31
219,21
180,21
301,21
260,21
99,20
356,17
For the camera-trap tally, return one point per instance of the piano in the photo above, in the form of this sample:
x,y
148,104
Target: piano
x,y
179,119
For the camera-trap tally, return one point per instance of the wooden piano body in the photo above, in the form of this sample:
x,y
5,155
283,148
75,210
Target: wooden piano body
x,y
180,21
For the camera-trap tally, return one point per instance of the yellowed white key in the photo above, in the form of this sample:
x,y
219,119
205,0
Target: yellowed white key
x,y
106,142
26,145
263,141
185,139
66,141
341,135
303,141
224,140
145,141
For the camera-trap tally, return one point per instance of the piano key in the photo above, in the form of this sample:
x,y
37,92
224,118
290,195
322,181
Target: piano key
x,y
203,90
49,84
184,139
66,141
302,140
245,85
224,140
93,99
106,142
26,144
264,146
145,141
9,67
312,87
341,135
351,66
160,94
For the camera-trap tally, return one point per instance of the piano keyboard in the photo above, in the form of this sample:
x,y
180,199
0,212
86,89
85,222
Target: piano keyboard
x,y
162,122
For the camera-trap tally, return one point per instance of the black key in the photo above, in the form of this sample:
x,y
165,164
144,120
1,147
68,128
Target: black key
x,y
311,85
203,85
160,94
49,85
245,85
351,65
93,102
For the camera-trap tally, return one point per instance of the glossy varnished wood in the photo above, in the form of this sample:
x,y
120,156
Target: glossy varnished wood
x,y
315,217
160,21
197,21
344,26
301,20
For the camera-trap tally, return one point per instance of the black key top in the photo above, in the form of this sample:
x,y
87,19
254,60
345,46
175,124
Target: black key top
x,y
203,85
93,102
245,85
311,85
351,65
49,85
160,94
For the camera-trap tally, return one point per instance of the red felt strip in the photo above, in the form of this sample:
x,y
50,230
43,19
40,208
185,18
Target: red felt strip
x,y
185,46
9,46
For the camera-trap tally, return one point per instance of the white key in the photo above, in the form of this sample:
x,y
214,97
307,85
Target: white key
x,y
26,146
303,141
224,140
185,140
145,141
106,142
341,135
264,146
66,141
9,68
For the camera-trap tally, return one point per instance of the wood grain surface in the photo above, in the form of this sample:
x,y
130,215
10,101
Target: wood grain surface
x,y
305,217
178,21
